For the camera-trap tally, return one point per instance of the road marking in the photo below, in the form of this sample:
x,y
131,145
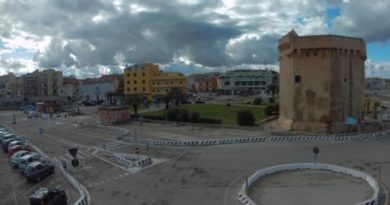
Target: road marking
x,y
96,151
67,155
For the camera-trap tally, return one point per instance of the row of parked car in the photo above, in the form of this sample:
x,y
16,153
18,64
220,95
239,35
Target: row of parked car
x,y
33,166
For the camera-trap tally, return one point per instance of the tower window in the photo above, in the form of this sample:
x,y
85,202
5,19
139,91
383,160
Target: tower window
x,y
297,79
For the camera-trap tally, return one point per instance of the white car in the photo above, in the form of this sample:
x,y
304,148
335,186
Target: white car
x,y
25,160
14,160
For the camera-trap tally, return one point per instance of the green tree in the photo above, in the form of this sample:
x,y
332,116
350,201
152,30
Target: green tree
x,y
133,99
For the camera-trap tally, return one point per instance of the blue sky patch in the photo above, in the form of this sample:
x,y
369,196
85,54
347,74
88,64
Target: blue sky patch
x,y
332,13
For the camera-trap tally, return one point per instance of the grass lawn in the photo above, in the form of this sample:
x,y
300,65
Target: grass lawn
x,y
228,114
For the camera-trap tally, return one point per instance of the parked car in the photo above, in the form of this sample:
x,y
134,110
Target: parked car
x,y
17,148
16,142
6,136
36,171
46,196
14,160
25,160
7,142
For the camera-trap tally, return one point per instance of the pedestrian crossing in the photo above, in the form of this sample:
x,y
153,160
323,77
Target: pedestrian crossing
x,y
112,145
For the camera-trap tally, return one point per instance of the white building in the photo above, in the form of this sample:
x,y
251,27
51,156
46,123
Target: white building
x,y
96,89
245,81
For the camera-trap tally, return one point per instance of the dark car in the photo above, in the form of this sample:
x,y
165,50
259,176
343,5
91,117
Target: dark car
x,y
38,170
185,102
199,102
46,196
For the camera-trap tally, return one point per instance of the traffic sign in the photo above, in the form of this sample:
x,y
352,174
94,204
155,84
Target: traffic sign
x,y
75,162
316,150
73,152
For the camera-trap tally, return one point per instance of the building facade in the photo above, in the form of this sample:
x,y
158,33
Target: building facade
x,y
321,82
30,85
5,82
245,81
42,83
97,89
202,82
147,80
70,88
49,82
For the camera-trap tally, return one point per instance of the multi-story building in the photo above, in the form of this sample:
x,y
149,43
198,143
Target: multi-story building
x,y
321,82
97,89
245,81
202,82
49,82
30,85
70,88
15,88
147,80
5,82
42,83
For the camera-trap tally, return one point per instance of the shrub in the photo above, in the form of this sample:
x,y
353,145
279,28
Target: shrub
x,y
248,103
183,115
272,109
257,101
271,100
245,117
172,114
210,120
152,117
195,117
228,104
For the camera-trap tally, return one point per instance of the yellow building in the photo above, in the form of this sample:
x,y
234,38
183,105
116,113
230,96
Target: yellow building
x,y
147,80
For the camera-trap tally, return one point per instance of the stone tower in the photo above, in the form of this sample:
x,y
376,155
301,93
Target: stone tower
x,y
321,82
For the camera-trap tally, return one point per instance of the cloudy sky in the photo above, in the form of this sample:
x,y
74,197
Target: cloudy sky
x,y
91,37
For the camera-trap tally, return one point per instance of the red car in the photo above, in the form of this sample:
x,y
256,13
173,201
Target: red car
x,y
16,148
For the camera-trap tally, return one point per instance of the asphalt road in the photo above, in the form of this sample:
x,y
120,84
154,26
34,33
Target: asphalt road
x,y
191,175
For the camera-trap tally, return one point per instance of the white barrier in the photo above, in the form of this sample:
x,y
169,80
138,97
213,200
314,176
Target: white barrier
x,y
297,138
374,200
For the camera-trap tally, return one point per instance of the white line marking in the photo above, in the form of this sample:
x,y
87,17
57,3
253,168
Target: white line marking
x,y
96,151
67,155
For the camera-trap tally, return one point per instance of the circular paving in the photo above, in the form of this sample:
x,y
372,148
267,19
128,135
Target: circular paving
x,y
311,187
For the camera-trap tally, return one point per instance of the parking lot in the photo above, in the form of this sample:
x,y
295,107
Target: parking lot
x,y
190,175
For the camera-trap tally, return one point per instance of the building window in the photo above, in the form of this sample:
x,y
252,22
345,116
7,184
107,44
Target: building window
x,y
143,81
171,82
135,74
128,75
297,79
135,82
143,73
167,90
128,89
128,82
143,88
158,90
237,83
153,83
166,82
181,82
158,83
345,80
227,83
135,88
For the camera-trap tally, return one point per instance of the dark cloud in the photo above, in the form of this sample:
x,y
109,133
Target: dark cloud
x,y
86,34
